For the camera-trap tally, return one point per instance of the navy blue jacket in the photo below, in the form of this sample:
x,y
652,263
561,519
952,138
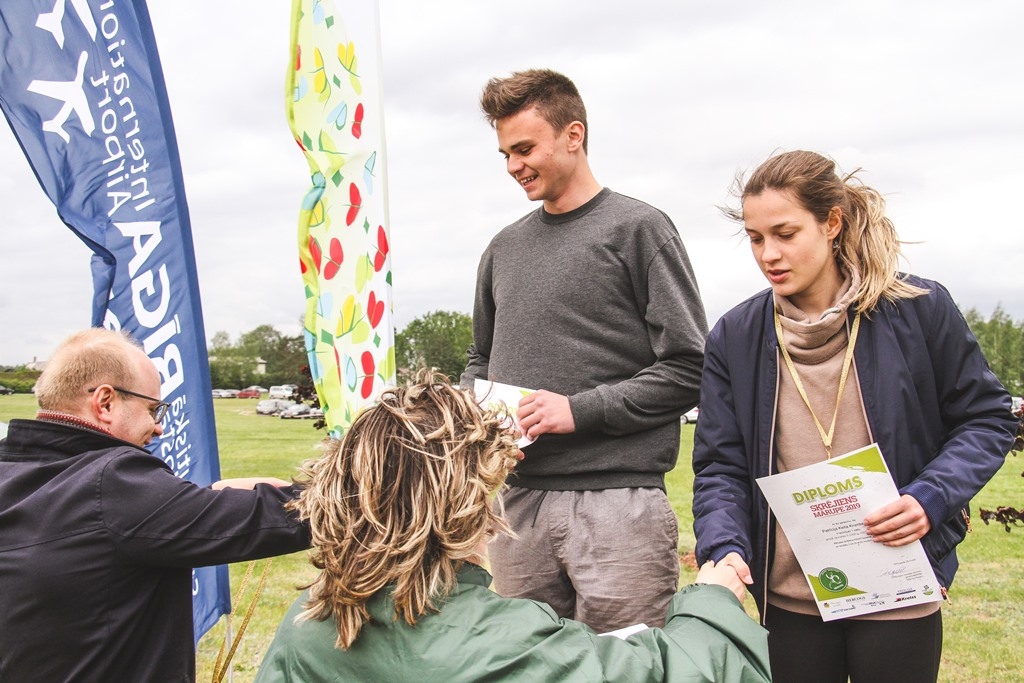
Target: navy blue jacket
x,y
97,543
940,417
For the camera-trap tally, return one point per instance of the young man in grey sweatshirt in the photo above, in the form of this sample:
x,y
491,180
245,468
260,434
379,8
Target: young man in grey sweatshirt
x,y
591,301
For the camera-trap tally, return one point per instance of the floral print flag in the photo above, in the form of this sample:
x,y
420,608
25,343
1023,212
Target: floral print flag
x,y
335,113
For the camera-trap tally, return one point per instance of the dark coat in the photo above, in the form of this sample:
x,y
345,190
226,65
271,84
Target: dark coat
x,y
98,539
940,417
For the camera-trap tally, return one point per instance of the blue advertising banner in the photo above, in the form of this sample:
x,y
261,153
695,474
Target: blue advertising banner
x,y
82,88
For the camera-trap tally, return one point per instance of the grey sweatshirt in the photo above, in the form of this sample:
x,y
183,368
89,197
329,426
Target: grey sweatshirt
x,y
599,304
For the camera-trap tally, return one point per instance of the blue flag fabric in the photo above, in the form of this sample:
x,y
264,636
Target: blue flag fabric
x,y
82,88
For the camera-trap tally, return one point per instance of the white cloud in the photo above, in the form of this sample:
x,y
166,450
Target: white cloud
x,y
680,97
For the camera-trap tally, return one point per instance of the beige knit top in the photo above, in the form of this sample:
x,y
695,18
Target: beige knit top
x,y
817,349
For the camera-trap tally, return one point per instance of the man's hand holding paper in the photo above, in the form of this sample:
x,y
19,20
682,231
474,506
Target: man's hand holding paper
x,y
545,412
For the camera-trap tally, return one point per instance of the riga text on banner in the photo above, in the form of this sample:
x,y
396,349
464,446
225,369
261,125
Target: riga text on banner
x,y
82,88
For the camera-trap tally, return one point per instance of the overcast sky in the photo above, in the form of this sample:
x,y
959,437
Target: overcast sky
x,y
926,96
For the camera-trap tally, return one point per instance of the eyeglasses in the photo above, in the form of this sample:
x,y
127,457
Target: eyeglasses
x,y
158,411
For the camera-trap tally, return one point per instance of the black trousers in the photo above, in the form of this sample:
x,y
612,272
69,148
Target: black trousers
x,y
805,649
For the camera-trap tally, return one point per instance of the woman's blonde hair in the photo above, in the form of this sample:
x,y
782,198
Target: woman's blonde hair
x,y
402,501
867,243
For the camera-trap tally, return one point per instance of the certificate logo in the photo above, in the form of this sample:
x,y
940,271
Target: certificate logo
x,y
833,580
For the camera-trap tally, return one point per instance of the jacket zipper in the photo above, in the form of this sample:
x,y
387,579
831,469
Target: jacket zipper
x,y
771,462
771,467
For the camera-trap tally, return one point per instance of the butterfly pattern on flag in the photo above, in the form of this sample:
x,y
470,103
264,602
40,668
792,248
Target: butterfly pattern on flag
x,y
334,110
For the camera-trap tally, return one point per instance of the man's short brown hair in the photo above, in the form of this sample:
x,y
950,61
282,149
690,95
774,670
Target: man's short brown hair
x,y
553,95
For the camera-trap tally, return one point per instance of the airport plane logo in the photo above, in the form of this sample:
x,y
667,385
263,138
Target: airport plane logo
x,y
54,21
70,93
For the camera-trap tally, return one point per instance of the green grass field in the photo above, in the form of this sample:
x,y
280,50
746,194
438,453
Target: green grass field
x,y
983,625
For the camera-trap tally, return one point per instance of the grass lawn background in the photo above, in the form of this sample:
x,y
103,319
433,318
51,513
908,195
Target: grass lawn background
x,y
983,625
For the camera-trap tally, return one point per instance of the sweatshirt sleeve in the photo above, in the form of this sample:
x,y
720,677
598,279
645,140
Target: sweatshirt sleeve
x,y
479,353
676,328
155,518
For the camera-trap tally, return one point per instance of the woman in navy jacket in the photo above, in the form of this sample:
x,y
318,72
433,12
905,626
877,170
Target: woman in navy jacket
x,y
918,385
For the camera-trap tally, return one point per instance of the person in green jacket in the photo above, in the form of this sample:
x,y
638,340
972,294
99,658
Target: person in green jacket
x,y
400,514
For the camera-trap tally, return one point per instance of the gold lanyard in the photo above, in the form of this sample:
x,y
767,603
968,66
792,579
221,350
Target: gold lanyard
x,y
826,438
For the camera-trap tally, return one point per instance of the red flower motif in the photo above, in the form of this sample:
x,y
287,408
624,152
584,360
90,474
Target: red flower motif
x,y
357,124
335,259
314,254
382,249
374,309
368,365
355,201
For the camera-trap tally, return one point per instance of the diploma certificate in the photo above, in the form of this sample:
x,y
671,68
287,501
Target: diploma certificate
x,y
822,508
495,394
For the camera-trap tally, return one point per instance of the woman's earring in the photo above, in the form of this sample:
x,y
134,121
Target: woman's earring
x,y
835,244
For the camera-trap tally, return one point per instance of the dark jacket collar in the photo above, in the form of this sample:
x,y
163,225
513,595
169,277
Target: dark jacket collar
x,y
54,440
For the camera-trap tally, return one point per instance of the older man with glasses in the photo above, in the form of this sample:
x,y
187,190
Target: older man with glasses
x,y
98,538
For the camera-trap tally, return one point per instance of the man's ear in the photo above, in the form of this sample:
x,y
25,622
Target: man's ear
x,y
575,132
101,404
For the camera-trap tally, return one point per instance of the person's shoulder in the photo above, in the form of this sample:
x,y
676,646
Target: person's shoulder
x,y
474,588
308,642
524,221
636,221
931,287
512,232
742,326
751,309
634,206
935,298
130,462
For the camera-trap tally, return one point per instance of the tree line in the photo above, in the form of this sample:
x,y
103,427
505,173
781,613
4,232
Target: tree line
x,y
1002,340
440,338
264,356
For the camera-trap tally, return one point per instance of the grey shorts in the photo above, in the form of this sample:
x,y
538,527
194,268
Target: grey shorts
x,y
607,558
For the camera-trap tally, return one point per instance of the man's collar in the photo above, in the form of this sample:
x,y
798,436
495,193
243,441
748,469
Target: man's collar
x,y
70,420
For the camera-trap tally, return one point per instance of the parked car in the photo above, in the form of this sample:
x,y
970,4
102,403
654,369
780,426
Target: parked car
x,y
248,393
690,416
295,412
258,388
282,391
272,406
225,393
5,390
1017,403
3,430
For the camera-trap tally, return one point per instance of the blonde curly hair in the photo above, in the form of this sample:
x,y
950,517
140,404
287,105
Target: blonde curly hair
x,y
402,501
